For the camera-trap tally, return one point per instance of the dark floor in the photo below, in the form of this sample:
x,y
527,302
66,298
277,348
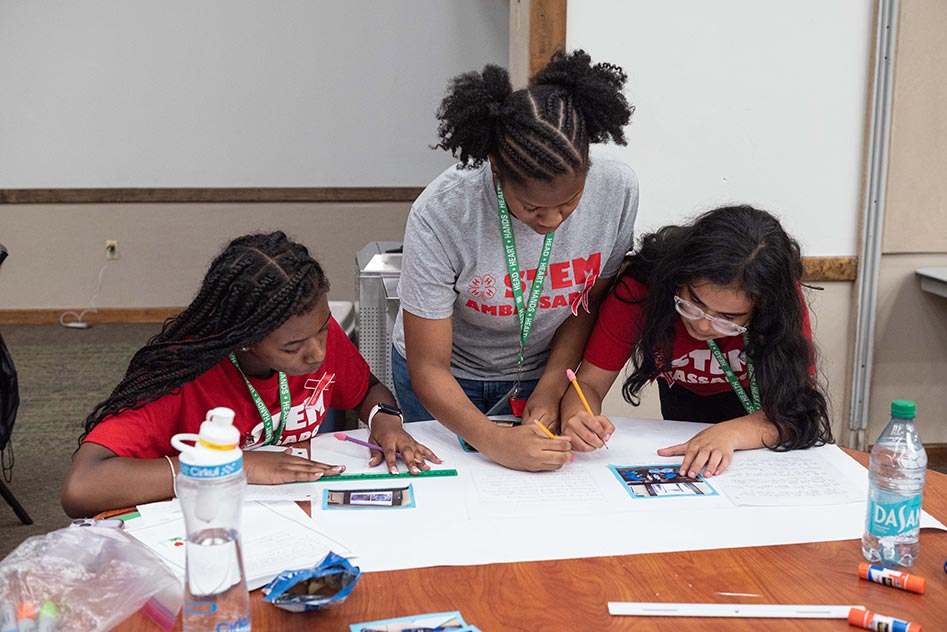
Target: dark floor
x,y
62,374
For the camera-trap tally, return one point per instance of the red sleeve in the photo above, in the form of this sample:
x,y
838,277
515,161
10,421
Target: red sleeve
x,y
613,337
144,433
351,370
807,329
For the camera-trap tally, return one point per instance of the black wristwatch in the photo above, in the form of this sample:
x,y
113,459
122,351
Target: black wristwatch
x,y
388,409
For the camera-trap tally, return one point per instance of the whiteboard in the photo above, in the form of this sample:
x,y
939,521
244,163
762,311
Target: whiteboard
x,y
742,101
233,93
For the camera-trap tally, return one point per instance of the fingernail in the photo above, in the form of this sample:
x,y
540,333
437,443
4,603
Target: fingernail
x,y
414,470
572,456
337,468
317,475
607,437
392,470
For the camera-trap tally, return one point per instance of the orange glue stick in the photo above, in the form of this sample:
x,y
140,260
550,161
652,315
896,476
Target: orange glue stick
x,y
893,578
868,620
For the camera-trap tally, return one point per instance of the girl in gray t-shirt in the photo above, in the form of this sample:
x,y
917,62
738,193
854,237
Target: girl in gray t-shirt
x,y
524,203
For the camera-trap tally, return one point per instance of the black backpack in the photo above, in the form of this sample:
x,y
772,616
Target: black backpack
x,y
9,395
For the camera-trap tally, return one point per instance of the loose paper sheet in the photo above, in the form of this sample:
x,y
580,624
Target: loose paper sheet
x,y
274,537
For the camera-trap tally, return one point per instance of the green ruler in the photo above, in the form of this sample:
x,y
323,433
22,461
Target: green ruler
x,y
368,477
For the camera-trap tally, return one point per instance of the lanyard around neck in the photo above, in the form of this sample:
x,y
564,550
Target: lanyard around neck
x,y
527,312
272,438
750,406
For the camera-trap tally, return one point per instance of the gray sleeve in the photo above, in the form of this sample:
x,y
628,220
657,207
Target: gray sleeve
x,y
426,287
625,237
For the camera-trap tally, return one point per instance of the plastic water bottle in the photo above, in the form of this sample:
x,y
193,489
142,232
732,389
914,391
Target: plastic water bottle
x,y
210,488
896,484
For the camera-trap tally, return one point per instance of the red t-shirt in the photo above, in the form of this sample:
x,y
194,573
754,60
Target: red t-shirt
x,y
693,366
341,382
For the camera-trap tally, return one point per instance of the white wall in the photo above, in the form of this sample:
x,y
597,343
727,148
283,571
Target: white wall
x,y
136,93
741,100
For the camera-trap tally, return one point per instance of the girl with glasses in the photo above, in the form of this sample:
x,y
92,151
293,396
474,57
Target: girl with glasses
x,y
713,311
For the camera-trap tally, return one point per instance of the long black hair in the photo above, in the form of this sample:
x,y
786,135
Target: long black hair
x,y
255,285
542,131
743,247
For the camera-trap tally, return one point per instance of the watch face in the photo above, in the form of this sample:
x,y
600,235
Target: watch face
x,y
389,409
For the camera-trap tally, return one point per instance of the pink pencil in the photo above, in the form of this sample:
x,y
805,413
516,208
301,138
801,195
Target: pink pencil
x,y
341,436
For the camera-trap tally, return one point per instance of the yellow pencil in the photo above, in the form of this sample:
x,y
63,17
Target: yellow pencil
x,y
578,389
544,429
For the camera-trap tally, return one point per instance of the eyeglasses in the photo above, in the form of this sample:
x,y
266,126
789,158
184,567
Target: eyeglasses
x,y
721,325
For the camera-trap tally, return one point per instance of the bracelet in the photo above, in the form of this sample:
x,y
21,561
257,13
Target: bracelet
x,y
174,476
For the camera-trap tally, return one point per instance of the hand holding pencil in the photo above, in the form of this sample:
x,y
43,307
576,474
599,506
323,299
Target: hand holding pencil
x,y
587,431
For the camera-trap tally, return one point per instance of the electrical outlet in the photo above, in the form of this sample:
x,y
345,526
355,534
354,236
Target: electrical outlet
x,y
111,249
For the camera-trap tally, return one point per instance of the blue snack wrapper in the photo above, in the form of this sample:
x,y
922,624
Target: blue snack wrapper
x,y
309,589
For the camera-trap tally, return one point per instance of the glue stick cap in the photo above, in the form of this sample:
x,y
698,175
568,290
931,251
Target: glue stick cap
x,y
217,431
903,408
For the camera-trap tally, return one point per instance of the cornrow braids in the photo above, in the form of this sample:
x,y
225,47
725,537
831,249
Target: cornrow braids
x,y
254,286
539,132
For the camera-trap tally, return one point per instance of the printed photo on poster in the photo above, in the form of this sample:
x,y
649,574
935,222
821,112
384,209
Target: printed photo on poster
x,y
660,481
382,498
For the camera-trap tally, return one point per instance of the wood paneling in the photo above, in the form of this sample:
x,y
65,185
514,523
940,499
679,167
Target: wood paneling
x,y
547,31
829,268
232,195
817,269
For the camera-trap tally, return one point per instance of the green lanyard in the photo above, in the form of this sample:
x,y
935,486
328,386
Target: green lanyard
x,y
527,315
750,406
284,404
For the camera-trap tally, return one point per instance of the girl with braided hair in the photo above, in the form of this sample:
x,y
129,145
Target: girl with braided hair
x,y
713,311
257,338
507,254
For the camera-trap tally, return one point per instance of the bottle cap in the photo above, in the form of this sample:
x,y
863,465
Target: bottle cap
x,y
218,432
218,444
903,408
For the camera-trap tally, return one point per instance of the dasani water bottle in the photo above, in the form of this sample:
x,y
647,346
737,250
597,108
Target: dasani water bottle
x,y
896,483
210,488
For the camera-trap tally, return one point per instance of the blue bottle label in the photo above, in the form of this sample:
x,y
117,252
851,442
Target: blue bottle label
x,y
887,519
211,471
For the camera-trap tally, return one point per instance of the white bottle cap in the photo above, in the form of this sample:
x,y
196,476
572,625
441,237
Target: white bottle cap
x,y
218,443
217,431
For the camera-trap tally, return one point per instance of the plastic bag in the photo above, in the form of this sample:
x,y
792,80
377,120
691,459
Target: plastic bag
x,y
96,576
322,586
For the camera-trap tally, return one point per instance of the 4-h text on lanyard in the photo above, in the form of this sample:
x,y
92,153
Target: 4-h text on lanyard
x,y
526,312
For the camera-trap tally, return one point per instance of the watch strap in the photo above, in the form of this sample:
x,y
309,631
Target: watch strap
x,y
388,409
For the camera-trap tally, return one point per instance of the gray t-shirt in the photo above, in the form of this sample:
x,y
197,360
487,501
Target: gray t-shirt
x,y
454,265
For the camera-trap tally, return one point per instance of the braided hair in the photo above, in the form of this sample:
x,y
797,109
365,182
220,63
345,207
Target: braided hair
x,y
542,131
743,247
255,285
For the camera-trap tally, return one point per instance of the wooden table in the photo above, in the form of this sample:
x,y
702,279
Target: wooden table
x,y
567,595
